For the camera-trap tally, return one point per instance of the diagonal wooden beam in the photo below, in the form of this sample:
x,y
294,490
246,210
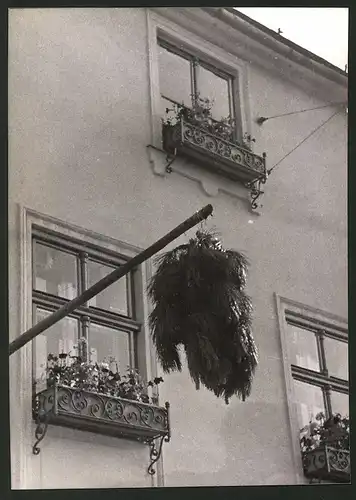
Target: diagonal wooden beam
x,y
109,279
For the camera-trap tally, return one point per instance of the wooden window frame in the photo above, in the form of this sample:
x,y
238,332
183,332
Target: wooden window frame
x,y
307,317
322,378
86,314
22,361
196,61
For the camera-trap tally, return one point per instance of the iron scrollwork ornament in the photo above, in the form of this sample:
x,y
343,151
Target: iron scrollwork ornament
x,y
42,421
256,191
156,451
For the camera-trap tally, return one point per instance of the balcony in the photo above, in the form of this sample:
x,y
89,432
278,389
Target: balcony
x,y
328,464
102,414
212,152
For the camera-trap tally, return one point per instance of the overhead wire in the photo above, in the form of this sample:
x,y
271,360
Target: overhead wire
x,y
263,119
305,139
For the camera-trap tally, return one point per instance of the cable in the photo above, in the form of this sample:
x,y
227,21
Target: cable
x,y
306,138
263,119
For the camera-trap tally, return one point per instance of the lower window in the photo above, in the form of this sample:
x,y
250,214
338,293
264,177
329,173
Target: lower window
x,y
62,269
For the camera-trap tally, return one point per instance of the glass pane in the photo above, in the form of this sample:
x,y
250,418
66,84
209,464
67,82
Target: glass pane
x,y
216,89
174,77
105,342
303,348
340,403
113,298
55,272
61,337
337,360
309,402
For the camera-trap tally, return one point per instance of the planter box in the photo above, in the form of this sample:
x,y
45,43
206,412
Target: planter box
x,y
212,152
327,463
99,413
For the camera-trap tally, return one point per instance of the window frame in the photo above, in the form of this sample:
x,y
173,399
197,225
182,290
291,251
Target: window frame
x,y
22,360
189,39
195,59
322,378
311,316
85,314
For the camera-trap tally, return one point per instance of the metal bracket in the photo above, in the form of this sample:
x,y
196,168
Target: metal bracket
x,y
170,158
256,192
40,431
156,451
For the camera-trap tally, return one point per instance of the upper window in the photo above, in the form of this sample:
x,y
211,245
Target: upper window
x,y
63,269
183,75
319,365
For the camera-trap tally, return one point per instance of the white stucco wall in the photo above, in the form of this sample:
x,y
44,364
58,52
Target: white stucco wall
x,y
79,126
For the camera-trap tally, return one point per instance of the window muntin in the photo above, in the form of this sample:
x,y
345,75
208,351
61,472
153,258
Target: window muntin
x,y
178,85
108,323
315,364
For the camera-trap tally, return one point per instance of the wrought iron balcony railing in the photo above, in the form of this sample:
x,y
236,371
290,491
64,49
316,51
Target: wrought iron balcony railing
x,y
327,463
213,152
103,414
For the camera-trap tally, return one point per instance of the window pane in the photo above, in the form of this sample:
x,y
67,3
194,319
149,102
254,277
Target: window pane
x,y
308,400
174,77
337,360
303,348
61,337
216,89
340,403
55,272
105,342
113,298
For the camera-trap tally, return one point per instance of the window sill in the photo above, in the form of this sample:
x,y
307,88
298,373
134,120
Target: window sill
x,y
212,152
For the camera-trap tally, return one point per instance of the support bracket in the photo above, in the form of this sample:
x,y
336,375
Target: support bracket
x,y
156,450
255,189
41,430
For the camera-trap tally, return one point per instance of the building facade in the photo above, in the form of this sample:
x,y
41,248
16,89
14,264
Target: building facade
x,y
89,188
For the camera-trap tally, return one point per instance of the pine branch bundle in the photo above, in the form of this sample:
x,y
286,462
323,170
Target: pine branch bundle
x,y
199,302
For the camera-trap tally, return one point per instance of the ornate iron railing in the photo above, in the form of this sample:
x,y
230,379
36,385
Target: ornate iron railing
x,y
213,152
327,463
103,414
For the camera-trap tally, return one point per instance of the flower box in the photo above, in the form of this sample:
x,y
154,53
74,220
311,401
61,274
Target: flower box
x,y
101,413
212,152
327,463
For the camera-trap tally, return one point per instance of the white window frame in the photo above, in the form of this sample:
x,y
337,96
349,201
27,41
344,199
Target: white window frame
x,y
29,464
160,27
314,315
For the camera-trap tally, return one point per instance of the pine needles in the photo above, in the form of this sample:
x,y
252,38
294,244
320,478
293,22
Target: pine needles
x,y
199,302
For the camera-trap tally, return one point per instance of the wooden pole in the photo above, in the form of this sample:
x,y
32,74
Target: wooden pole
x,y
109,279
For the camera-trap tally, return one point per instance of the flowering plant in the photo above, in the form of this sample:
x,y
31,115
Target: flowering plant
x,y
334,431
200,115
103,377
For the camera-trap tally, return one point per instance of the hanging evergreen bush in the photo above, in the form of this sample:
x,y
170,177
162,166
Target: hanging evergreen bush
x,y
200,303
